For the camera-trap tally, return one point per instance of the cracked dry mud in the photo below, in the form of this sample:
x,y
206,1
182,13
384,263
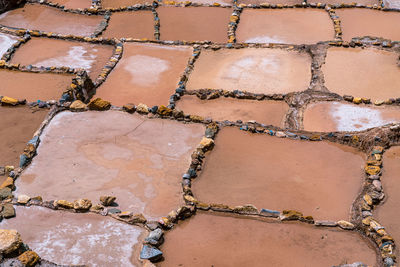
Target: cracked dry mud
x,y
203,133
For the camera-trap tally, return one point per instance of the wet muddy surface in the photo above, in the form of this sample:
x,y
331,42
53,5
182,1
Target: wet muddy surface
x,y
142,25
59,53
240,171
147,74
33,86
194,24
121,3
208,240
6,41
113,153
22,123
365,22
257,2
266,112
289,26
68,238
74,4
336,116
267,71
392,4
37,17
344,66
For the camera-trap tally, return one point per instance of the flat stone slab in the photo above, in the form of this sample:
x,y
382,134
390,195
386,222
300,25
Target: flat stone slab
x,y
33,86
18,126
60,53
6,41
336,116
358,22
344,66
256,70
220,109
140,161
217,240
194,23
289,26
147,73
320,179
72,239
37,17
142,25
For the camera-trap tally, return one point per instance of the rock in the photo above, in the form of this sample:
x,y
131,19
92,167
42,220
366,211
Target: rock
x,y
64,204
368,199
9,101
280,134
137,218
246,209
270,213
130,108
9,182
99,104
150,253
5,193
125,214
290,215
164,111
78,105
9,169
345,225
196,118
372,170
113,211
23,199
142,108
348,98
29,258
189,198
155,237
107,200
377,184
206,143
82,204
8,211
10,240
147,263
308,219
176,113
325,223
357,100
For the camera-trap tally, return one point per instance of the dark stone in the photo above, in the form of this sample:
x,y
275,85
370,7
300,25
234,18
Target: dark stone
x,y
150,253
269,213
154,109
23,160
5,193
155,237
114,211
8,211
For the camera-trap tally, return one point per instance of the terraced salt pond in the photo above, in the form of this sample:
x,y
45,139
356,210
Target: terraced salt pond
x,y
6,41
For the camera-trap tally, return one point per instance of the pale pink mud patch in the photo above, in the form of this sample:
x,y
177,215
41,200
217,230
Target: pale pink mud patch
x,y
210,2
74,4
194,23
147,74
256,70
139,161
122,3
43,18
33,86
338,2
220,109
290,26
6,41
141,25
358,22
68,238
376,73
60,53
272,2
220,240
392,3
320,179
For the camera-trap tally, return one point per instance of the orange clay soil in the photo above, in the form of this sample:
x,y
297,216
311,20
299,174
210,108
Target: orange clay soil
x,y
267,112
388,213
221,240
18,126
68,238
60,53
139,161
345,66
121,3
365,22
43,18
336,116
256,70
33,86
194,23
147,73
74,4
290,26
317,178
141,25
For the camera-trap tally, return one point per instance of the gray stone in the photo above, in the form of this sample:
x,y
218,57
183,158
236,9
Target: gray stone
x,y
150,253
326,223
377,184
8,211
10,240
5,193
113,211
269,213
154,237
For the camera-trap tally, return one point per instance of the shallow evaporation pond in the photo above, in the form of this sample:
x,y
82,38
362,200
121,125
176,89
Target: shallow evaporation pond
x,y
74,4
142,25
18,126
339,2
220,109
290,26
392,4
140,161
6,41
37,17
33,86
194,23
388,213
121,3
358,22
73,238
60,53
272,2
218,240
256,70
336,116
211,2
147,73
376,72
320,179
